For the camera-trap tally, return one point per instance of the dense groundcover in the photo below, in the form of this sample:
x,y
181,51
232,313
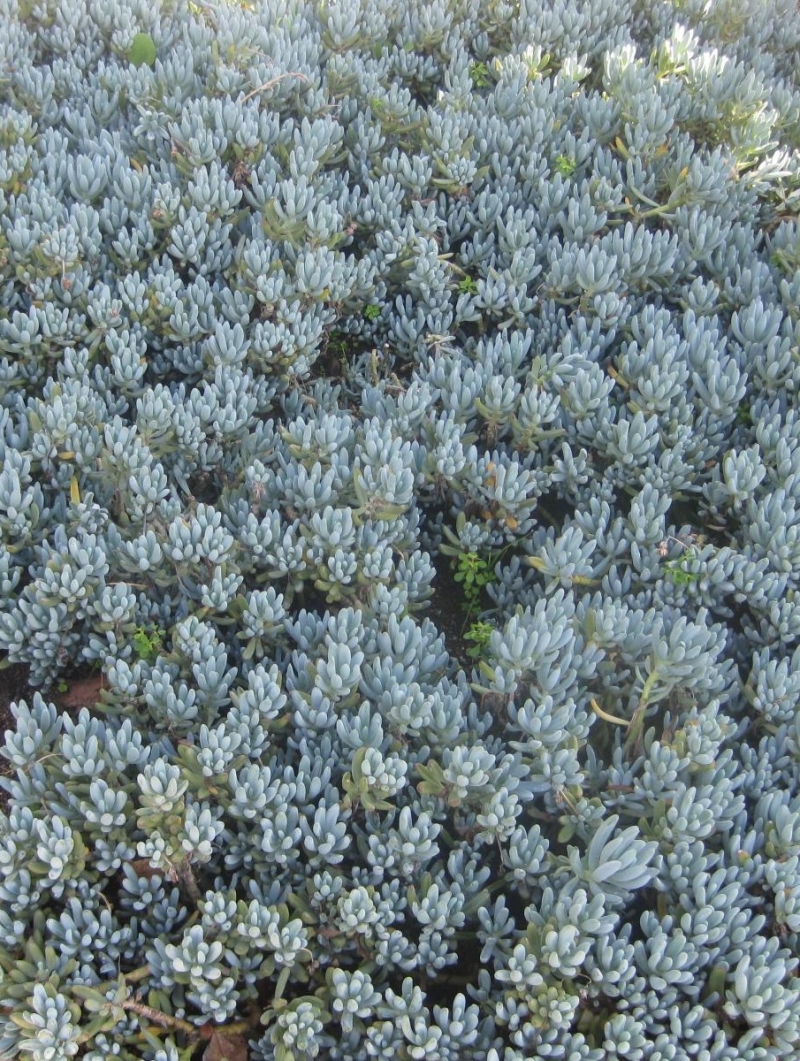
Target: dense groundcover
x,y
328,330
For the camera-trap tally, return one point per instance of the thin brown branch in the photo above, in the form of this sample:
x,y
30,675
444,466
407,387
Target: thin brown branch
x,y
157,1017
273,81
186,877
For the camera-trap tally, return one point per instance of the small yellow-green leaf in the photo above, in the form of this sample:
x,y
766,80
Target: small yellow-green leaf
x,y
606,716
358,760
142,50
389,512
429,788
431,771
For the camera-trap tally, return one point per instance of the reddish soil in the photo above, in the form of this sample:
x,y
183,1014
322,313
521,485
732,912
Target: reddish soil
x,y
13,686
81,690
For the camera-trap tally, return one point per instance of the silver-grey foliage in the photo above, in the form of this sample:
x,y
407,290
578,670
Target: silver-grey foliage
x,y
296,301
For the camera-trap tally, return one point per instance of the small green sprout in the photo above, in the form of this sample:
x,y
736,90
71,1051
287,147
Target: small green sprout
x,y
479,72
744,415
148,643
474,572
479,634
677,569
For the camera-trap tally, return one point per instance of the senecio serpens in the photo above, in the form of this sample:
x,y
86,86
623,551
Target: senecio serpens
x,y
335,336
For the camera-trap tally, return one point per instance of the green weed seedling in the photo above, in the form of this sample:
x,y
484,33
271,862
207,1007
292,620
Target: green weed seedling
x,y
479,72
478,633
148,643
474,573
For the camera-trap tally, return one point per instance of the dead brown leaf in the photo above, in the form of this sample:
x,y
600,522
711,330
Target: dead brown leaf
x,y
144,868
222,1047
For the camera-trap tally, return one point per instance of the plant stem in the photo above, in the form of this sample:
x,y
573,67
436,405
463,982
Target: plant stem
x,y
187,879
647,689
633,740
272,82
280,987
158,1017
